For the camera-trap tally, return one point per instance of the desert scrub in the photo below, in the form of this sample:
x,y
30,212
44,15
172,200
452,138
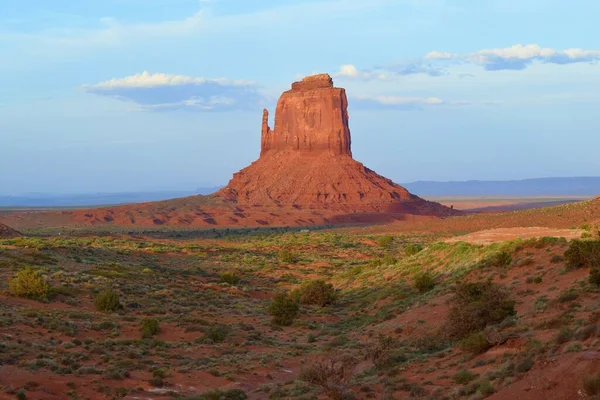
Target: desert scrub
x,y
595,277
476,305
316,292
284,309
287,257
424,282
149,327
29,283
412,249
230,277
216,333
107,301
583,253
385,241
475,343
463,377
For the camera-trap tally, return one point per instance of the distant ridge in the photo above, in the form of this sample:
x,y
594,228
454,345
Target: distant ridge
x,y
96,199
576,186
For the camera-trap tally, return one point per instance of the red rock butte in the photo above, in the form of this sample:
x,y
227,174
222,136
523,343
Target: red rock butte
x,y
306,160
305,175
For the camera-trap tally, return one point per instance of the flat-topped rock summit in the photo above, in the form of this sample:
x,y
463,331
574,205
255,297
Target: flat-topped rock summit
x,y
311,117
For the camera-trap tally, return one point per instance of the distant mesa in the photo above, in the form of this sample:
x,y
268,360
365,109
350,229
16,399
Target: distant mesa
x,y
305,175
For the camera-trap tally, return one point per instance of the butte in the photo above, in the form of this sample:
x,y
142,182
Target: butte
x,y
305,175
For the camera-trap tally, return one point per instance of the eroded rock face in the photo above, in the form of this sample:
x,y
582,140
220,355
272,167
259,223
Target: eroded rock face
x,y
306,161
311,117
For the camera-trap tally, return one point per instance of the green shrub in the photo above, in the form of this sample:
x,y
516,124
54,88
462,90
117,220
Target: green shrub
x,y
149,327
501,259
525,365
287,257
284,309
217,333
29,283
412,249
107,301
591,384
567,295
316,292
424,282
563,336
463,377
556,259
476,305
230,277
475,343
385,241
595,277
583,253
388,259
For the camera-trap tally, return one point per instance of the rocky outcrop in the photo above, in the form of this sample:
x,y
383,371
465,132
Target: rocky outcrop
x,y
6,232
311,117
306,161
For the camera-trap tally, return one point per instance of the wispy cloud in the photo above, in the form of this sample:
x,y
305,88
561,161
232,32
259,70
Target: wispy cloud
x,y
407,102
164,92
518,57
435,63
350,71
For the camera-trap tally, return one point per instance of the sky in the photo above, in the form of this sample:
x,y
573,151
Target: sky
x,y
142,95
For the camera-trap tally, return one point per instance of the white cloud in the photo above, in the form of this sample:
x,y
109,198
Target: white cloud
x,y
518,57
163,92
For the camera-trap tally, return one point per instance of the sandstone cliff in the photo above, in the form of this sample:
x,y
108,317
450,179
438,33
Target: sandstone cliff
x,y
306,161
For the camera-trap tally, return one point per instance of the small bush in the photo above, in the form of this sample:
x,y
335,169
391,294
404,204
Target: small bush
x,y
563,336
284,309
388,259
501,259
556,259
385,241
29,283
525,365
217,333
475,343
412,249
107,301
583,253
463,377
477,305
591,384
149,327
316,292
566,296
424,282
230,277
332,375
595,277
287,257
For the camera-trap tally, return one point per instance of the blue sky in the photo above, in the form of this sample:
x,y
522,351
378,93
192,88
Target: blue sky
x,y
129,95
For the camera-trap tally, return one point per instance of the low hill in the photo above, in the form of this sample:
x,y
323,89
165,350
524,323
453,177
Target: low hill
x,y
6,232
